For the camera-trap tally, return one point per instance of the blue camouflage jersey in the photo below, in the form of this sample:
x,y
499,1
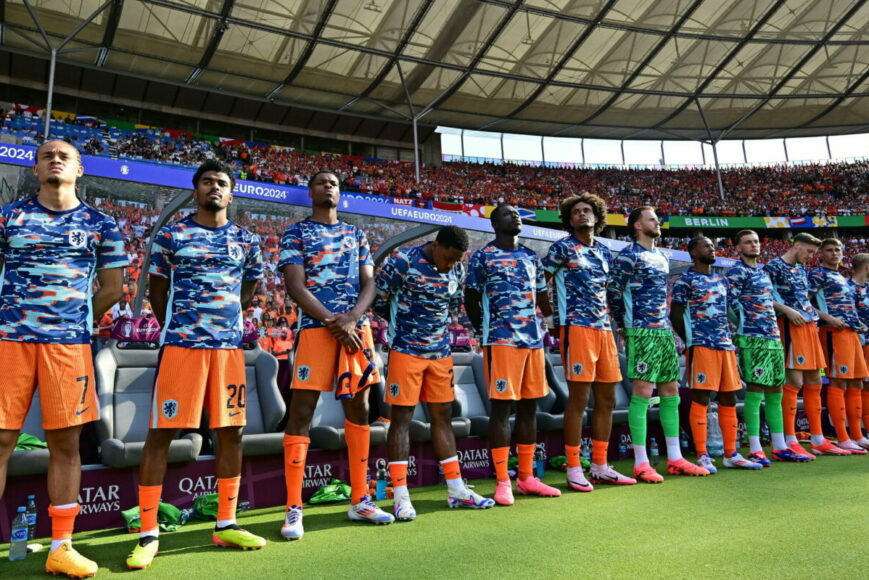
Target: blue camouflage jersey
x,y
332,255
508,281
750,298
833,295
790,286
205,267
49,261
417,300
579,277
861,301
637,288
704,297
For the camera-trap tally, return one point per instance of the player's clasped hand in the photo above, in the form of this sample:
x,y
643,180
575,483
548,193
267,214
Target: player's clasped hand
x,y
343,328
795,317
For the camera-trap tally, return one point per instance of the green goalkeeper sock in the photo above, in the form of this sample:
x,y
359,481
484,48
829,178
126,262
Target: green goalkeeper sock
x,y
670,416
751,411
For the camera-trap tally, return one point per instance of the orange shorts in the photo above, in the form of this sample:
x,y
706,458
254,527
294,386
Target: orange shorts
x,y
589,355
843,353
866,359
316,359
802,347
515,373
64,374
712,370
187,378
412,379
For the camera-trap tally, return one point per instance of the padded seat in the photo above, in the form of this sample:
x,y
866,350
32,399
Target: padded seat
x,y
125,379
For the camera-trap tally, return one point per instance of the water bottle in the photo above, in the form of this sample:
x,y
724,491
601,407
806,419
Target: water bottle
x,y
683,441
715,441
623,450
31,516
654,452
18,541
540,461
380,483
586,451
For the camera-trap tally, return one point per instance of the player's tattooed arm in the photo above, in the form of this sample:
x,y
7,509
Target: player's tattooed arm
x,y
111,290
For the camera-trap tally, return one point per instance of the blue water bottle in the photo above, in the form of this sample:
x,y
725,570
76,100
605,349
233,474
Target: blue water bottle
x,y
380,483
18,541
31,516
540,461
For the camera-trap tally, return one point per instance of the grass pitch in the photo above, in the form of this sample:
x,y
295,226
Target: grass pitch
x,y
790,521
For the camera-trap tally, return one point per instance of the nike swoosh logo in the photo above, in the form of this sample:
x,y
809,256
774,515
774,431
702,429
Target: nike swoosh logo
x,y
296,461
82,411
364,460
148,509
233,498
234,414
498,462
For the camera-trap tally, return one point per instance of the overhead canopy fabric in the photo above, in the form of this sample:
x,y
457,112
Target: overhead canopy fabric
x,y
634,69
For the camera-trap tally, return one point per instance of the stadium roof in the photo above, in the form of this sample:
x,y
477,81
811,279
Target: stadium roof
x,y
635,69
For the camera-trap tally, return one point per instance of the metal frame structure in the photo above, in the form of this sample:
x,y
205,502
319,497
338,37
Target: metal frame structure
x,y
810,40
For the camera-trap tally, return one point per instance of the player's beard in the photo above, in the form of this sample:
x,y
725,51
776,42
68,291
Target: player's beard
x,y
653,232
53,180
212,205
708,260
747,255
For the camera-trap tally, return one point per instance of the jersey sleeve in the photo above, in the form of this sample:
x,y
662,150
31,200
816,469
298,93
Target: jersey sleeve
x,y
161,254
680,291
476,272
388,280
540,283
253,263
554,258
816,281
365,258
291,247
622,268
110,252
735,278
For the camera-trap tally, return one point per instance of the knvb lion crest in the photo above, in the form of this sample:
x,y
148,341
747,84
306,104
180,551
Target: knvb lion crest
x,y
78,238
759,372
236,252
303,373
393,389
170,408
642,367
501,385
577,369
701,378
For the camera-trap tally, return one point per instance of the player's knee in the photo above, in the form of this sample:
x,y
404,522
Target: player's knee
x,y
702,397
727,399
8,439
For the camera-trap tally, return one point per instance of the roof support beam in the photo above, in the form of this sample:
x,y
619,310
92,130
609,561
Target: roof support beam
x,y
219,28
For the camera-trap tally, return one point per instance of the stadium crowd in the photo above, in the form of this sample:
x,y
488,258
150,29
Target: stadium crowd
x,y
805,190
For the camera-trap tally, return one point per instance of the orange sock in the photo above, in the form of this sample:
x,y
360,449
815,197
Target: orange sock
x,y
698,427
727,420
526,459
865,398
227,497
854,409
358,443
149,502
836,408
63,521
812,404
398,473
789,409
295,452
452,469
598,452
500,455
572,454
